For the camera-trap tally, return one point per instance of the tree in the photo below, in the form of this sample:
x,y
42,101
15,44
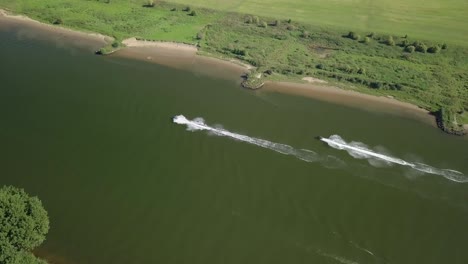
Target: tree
x,y
23,225
434,49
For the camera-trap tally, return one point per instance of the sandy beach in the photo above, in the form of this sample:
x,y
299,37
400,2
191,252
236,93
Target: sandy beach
x,y
185,56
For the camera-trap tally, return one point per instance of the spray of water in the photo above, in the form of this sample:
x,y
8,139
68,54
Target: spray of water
x,y
355,149
359,150
199,124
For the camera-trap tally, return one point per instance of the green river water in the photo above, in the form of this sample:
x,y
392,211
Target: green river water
x,y
93,138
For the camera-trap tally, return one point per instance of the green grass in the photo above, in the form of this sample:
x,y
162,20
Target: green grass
x,y
438,20
313,44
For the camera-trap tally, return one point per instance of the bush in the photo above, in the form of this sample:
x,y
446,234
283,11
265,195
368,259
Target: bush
x,y
434,49
57,21
193,13
410,48
444,46
366,40
289,21
389,41
376,85
361,71
256,20
200,35
404,43
353,35
276,23
173,9
186,9
291,27
115,44
305,34
420,47
263,24
149,3
371,35
248,20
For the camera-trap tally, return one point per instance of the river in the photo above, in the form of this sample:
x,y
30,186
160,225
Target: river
x,y
94,138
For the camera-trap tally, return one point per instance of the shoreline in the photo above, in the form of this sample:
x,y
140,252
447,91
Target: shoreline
x,y
186,57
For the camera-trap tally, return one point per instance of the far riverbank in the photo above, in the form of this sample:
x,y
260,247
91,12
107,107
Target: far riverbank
x,y
184,56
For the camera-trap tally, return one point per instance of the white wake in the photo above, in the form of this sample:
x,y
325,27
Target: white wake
x,y
199,124
360,151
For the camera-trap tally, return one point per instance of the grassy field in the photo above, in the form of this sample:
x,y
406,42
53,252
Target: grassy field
x,y
438,20
381,62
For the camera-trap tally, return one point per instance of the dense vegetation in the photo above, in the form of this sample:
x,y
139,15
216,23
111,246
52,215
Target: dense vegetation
x,y
429,70
23,226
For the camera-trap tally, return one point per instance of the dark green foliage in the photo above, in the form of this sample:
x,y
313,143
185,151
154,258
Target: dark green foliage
x,y
371,35
173,9
353,35
367,40
361,71
444,46
149,3
420,47
291,27
404,43
57,21
434,49
23,225
276,23
115,44
289,21
248,20
186,9
410,48
193,13
390,41
239,52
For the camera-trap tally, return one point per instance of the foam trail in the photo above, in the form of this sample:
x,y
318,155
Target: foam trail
x,y
199,124
358,150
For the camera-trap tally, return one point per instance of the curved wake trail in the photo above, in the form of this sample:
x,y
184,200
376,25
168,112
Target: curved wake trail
x,y
358,150
199,124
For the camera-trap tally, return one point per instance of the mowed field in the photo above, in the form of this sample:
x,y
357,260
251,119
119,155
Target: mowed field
x,y
439,20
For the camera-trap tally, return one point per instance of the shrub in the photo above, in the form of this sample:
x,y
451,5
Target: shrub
x,y
371,35
249,20
410,48
389,41
256,20
353,35
115,44
193,13
434,49
289,21
276,23
376,85
444,46
320,66
57,21
305,34
361,71
290,27
186,9
366,40
421,47
404,43
263,24
200,35
173,9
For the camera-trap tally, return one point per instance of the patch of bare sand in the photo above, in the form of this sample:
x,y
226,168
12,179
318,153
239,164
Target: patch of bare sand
x,y
353,99
313,80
